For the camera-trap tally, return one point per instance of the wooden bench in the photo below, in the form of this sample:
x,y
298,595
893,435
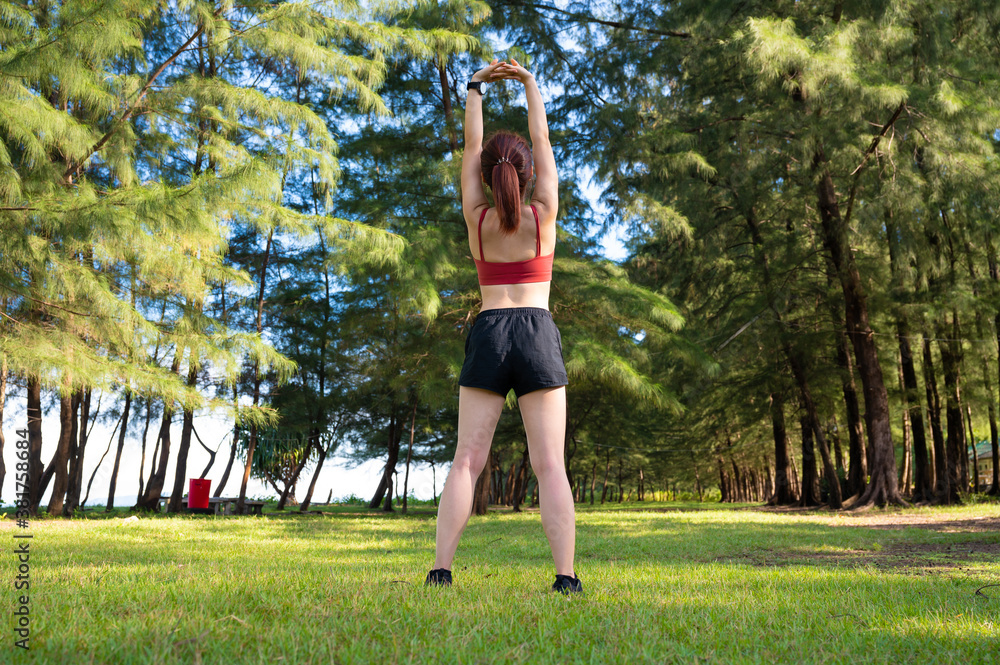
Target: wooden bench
x,y
226,504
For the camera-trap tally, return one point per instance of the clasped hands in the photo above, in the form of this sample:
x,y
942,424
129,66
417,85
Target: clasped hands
x,y
500,69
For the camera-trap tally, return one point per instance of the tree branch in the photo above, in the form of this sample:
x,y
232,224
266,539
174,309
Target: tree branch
x,y
42,302
584,18
864,159
74,169
878,137
737,118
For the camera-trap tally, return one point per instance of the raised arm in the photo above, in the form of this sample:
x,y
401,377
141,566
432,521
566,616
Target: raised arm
x,y
546,193
473,196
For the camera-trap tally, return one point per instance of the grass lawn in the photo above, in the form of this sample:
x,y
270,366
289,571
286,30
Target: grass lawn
x,y
664,583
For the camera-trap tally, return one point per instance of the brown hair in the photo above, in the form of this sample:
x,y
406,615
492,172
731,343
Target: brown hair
x,y
506,164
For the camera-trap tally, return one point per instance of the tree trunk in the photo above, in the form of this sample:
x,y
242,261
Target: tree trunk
x,y
829,470
70,455
857,472
905,472
77,449
768,483
607,470
593,482
619,480
229,465
521,480
118,454
796,485
385,483
187,425
506,496
883,487
568,453
304,506
783,493
994,445
991,400
697,478
446,103
833,428
34,444
481,494
941,485
154,488
149,500
975,455
409,454
67,423
922,487
434,483
723,485
810,479
290,485
145,437
983,356
955,441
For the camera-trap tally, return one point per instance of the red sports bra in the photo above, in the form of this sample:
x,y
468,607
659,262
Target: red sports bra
x,y
538,269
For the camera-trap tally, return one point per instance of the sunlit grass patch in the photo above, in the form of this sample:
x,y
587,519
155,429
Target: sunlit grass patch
x,y
660,586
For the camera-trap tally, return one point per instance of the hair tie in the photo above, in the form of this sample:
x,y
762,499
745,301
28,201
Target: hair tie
x,y
502,160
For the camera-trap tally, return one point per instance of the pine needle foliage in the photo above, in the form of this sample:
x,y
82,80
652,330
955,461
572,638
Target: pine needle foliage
x,y
135,136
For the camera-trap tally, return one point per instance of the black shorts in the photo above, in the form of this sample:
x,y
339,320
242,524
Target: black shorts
x,y
516,347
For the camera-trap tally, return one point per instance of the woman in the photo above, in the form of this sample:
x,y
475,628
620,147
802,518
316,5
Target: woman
x,y
514,343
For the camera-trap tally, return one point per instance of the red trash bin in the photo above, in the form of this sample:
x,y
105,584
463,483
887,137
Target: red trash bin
x,y
198,489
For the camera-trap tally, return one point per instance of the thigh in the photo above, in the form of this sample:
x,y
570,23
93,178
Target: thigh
x,y
544,415
478,413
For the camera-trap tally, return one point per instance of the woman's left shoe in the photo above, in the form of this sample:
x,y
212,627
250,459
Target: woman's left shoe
x,y
438,577
567,585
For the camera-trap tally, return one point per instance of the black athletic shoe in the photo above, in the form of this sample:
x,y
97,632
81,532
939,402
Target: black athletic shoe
x,y
565,584
438,577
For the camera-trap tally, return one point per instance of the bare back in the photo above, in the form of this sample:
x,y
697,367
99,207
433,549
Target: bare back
x,y
520,246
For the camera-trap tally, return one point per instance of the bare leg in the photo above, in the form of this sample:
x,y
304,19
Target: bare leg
x,y
544,415
478,413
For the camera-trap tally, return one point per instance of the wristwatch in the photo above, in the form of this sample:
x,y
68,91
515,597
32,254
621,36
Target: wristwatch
x,y
477,86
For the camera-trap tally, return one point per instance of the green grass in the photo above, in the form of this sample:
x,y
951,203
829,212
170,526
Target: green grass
x,y
673,583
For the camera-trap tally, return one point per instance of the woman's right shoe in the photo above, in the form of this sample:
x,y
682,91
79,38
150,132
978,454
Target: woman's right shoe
x,y
565,584
438,577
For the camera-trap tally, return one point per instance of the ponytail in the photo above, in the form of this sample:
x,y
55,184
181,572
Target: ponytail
x,y
506,195
506,166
